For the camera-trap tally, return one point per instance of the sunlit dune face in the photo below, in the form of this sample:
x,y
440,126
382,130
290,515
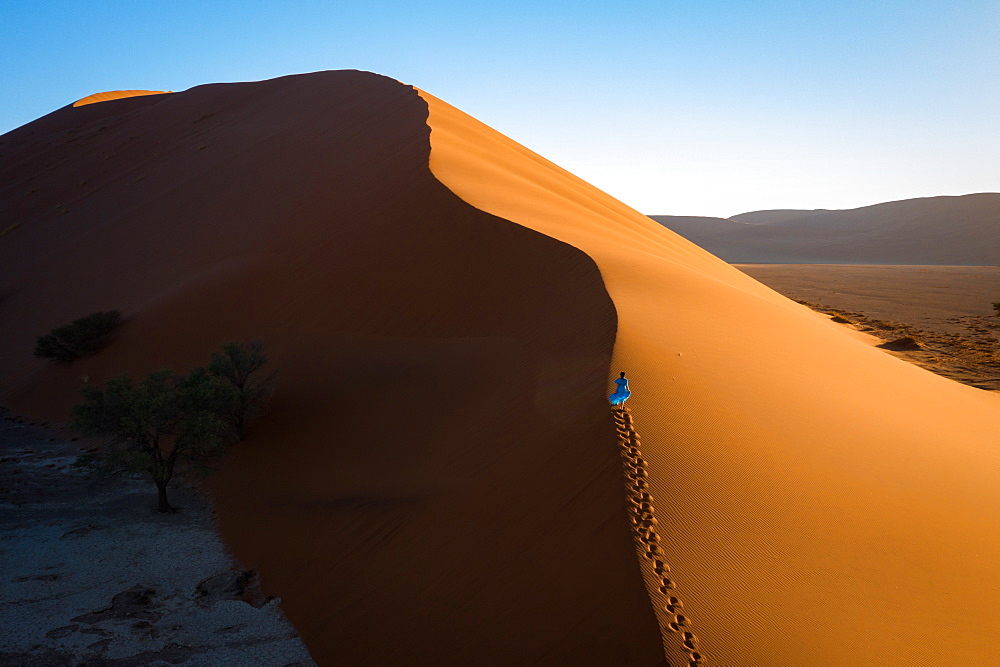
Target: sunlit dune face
x,y
116,95
820,502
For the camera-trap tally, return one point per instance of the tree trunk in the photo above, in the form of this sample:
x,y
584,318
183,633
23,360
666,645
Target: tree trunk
x,y
165,507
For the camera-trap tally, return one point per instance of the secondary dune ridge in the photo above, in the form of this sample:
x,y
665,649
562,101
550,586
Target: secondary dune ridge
x,y
109,95
825,503
437,480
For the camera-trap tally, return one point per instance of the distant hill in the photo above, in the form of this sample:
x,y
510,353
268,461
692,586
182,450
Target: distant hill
x,y
776,215
963,230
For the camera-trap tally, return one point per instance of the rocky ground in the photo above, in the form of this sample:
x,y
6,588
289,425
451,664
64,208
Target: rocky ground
x,y
91,574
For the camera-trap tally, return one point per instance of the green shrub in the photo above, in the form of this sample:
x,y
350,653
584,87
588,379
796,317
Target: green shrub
x,y
154,425
82,336
49,347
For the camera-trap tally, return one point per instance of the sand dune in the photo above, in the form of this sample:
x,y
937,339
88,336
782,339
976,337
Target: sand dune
x,y
961,230
116,95
438,481
825,503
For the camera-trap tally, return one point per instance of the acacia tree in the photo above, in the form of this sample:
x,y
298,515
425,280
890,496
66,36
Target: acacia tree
x,y
157,423
240,365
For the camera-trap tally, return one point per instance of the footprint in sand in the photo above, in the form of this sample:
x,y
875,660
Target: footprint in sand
x,y
644,529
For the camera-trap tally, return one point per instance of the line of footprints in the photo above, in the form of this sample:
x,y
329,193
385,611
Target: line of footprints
x,y
641,515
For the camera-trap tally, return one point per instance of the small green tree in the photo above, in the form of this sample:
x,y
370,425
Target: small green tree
x,y
240,365
84,335
157,423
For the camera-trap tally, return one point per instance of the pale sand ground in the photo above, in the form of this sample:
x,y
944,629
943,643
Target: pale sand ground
x,y
89,573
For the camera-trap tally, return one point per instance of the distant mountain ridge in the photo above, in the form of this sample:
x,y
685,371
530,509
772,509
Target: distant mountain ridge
x,y
960,230
775,215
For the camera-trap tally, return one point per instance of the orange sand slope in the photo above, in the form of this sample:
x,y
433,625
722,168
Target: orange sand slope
x,y
116,95
825,503
437,481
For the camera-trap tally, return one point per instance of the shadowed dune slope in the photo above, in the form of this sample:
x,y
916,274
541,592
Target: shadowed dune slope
x,y
437,480
961,230
821,502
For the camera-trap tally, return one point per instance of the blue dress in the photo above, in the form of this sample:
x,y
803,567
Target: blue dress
x,y
621,393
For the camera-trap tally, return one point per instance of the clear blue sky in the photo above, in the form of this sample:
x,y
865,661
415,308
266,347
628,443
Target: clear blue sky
x,y
692,107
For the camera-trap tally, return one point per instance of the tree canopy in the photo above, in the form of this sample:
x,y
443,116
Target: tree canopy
x,y
154,424
166,419
240,364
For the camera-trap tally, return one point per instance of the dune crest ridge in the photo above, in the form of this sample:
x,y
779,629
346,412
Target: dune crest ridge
x,y
109,95
821,502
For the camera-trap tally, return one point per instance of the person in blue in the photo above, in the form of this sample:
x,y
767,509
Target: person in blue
x,y
622,393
